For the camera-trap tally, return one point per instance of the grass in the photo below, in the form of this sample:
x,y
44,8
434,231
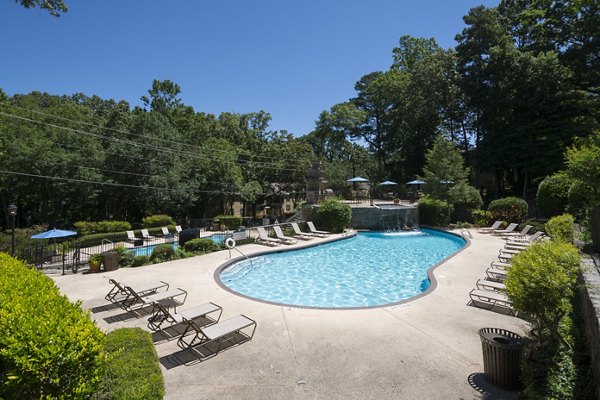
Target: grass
x,y
132,371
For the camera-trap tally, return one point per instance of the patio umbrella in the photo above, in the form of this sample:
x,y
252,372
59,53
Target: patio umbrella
x,y
54,234
387,183
357,179
416,182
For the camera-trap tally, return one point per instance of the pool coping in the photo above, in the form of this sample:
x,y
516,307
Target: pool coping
x,y
430,273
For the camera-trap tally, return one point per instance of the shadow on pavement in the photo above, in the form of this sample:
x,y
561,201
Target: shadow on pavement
x,y
478,381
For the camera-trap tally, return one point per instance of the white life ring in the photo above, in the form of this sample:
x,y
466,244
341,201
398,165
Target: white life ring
x,y
230,243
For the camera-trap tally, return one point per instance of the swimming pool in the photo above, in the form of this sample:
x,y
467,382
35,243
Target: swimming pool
x,y
370,269
218,238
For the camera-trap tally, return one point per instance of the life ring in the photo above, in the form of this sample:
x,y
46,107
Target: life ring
x,y
230,243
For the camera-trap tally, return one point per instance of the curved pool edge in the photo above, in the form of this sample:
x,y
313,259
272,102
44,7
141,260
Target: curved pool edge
x,y
430,274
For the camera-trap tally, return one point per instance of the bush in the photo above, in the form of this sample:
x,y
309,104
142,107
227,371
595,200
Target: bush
x,y
512,209
138,261
231,222
87,227
433,212
535,226
158,220
541,283
334,215
49,347
132,371
560,228
464,199
553,194
162,252
200,246
481,217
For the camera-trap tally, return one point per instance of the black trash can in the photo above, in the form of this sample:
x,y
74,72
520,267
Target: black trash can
x,y
110,259
502,352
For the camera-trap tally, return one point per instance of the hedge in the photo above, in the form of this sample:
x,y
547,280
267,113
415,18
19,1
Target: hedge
x,y
560,228
49,347
88,227
200,245
511,209
132,371
553,194
231,222
159,220
334,215
96,239
433,212
162,252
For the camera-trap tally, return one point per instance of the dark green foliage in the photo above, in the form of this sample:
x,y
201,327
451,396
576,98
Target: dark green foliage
x,y
433,212
464,199
87,227
333,215
481,217
560,228
535,226
54,7
139,261
132,371
201,246
49,347
512,209
159,220
231,222
162,252
553,194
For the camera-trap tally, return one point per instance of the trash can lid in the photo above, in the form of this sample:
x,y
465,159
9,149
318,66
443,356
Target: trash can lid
x,y
501,338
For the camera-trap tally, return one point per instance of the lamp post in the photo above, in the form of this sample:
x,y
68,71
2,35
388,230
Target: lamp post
x,y
12,211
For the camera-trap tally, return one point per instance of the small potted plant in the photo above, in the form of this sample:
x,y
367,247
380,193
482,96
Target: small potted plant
x,y
95,262
396,200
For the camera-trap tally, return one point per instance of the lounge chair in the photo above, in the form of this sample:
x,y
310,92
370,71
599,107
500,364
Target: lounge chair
x,y
489,299
146,289
301,235
526,241
498,275
165,231
131,237
282,237
315,231
510,228
263,237
509,251
170,298
165,315
178,229
146,235
485,284
222,332
489,229
512,235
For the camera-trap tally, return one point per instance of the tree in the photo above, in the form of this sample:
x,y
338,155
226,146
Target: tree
x,y
163,96
443,169
54,7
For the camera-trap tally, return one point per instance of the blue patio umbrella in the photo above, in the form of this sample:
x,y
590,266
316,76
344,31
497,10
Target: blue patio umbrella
x,y
357,179
416,182
387,183
54,234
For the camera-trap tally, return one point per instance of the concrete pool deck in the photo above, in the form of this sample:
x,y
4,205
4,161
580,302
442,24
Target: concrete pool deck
x,y
424,349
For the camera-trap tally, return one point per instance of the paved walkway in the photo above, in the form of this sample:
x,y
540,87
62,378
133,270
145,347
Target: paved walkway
x,y
425,349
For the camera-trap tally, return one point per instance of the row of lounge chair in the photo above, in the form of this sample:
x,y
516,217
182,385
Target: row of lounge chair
x,y
281,238
490,293
202,323
146,236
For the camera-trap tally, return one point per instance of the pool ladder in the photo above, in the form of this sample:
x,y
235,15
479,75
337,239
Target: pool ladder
x,y
239,268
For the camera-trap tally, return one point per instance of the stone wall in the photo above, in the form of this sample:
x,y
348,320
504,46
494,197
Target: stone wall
x,y
590,305
379,219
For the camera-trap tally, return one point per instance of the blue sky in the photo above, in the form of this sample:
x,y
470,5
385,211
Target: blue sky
x,y
292,59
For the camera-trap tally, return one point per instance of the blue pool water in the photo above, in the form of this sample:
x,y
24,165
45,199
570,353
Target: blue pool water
x,y
147,250
370,269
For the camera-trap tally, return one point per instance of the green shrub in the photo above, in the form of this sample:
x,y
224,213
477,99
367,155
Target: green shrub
x,y
512,209
200,246
433,212
481,217
132,371
85,227
535,226
541,283
231,222
158,220
49,347
88,227
560,228
162,252
464,199
553,194
579,198
138,261
334,215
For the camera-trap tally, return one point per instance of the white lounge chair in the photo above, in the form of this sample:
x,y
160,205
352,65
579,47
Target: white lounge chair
x,y
118,290
301,235
263,237
165,315
282,237
527,241
146,235
178,229
489,229
489,299
315,231
510,228
131,237
170,298
513,235
485,284
165,231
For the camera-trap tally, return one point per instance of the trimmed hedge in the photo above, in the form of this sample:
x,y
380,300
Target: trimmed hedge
x,y
96,239
231,222
89,227
512,209
560,228
553,194
49,347
163,252
200,246
132,371
334,215
433,212
158,220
